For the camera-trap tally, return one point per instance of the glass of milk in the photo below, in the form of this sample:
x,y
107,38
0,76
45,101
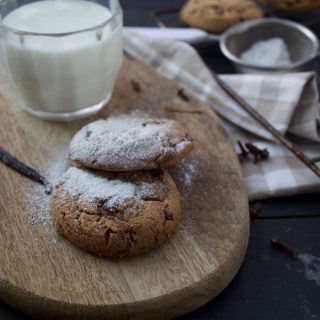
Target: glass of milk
x,y
62,56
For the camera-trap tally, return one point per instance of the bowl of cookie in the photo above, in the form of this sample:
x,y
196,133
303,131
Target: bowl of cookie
x,y
269,45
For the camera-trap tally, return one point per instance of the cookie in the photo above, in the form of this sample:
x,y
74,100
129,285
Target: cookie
x,y
291,5
216,16
116,214
129,144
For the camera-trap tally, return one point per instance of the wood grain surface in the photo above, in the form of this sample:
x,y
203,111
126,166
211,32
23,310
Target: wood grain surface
x,y
52,279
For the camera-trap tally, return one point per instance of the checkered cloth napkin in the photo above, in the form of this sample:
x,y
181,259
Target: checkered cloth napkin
x,y
288,101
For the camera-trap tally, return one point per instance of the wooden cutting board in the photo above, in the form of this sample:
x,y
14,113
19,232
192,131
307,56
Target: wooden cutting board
x,y
46,276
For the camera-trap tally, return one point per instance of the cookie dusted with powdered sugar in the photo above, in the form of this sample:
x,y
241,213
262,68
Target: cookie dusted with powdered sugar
x,y
116,214
291,5
217,15
126,143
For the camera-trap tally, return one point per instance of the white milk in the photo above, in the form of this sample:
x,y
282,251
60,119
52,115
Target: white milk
x,y
65,73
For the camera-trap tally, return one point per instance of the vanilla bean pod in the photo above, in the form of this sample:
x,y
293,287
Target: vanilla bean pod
x,y
15,164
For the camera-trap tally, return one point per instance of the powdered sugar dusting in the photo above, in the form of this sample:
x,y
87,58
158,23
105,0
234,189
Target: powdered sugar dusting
x,y
189,170
127,143
91,186
312,267
185,173
186,170
38,206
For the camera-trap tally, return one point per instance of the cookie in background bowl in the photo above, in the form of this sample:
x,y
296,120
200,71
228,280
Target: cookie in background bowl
x,y
291,5
216,16
125,143
116,214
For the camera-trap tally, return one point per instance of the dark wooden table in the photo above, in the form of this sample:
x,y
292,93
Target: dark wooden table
x,y
270,285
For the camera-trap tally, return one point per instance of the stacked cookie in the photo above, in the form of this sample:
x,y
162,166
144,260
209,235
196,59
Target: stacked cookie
x,y
216,16
118,200
291,5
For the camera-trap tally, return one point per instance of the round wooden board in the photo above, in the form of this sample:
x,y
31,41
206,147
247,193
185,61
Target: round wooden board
x,y
57,280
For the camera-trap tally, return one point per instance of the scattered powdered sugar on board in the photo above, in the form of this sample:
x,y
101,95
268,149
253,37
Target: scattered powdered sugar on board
x,y
185,173
189,170
311,267
136,113
186,170
38,203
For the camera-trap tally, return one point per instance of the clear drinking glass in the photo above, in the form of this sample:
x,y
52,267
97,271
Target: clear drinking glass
x,y
61,75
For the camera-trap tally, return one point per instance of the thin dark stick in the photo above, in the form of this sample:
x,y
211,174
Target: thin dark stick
x,y
13,163
185,110
315,160
154,16
278,244
266,124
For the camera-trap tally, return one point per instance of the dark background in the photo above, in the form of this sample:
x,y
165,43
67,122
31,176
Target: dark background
x,y
269,285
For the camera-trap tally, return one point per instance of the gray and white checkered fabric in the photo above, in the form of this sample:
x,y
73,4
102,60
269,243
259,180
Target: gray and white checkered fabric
x,y
288,101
